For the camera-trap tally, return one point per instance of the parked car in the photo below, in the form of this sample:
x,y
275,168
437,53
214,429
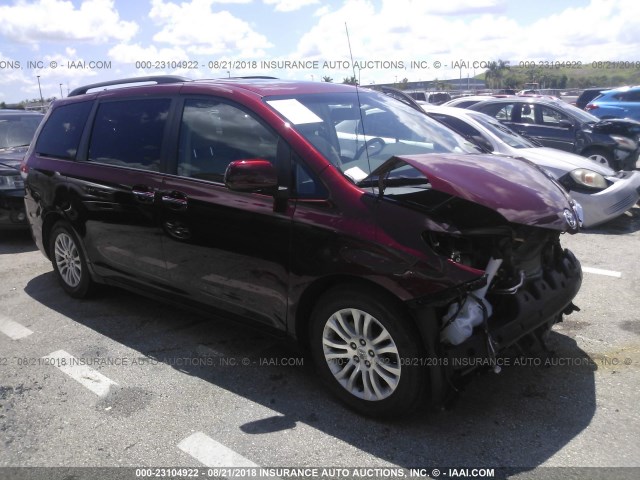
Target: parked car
x,y
16,131
559,125
435,98
464,102
602,193
393,251
619,103
587,95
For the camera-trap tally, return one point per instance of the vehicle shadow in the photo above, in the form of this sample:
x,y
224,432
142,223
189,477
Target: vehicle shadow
x,y
16,241
517,419
628,222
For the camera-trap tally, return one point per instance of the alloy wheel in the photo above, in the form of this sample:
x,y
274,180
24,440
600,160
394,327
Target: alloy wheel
x,y
361,354
67,260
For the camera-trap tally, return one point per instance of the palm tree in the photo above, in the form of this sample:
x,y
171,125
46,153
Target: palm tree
x,y
491,75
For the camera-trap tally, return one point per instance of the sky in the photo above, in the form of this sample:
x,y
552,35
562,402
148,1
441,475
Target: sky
x,y
65,44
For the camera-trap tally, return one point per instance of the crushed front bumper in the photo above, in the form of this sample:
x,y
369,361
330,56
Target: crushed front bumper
x,y
12,211
539,303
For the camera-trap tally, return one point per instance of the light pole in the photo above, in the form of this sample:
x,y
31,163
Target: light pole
x,y
61,94
40,88
229,73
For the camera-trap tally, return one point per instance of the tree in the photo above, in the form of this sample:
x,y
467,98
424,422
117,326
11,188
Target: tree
x,y
494,75
327,79
352,80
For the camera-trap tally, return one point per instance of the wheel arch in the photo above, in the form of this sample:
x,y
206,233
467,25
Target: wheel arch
x,y
602,150
309,299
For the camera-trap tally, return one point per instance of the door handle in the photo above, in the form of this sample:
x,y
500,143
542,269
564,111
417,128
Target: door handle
x,y
175,200
143,194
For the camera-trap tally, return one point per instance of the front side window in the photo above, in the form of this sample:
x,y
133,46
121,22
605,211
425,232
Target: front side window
x,y
633,96
503,132
551,117
129,133
458,125
214,133
60,136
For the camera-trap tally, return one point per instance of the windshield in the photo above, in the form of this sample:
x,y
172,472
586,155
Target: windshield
x,y
358,133
17,130
501,131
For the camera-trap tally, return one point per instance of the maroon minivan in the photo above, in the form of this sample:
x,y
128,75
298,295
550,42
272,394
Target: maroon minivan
x,y
383,242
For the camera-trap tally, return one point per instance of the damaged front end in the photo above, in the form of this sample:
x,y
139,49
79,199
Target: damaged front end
x,y
503,219
530,282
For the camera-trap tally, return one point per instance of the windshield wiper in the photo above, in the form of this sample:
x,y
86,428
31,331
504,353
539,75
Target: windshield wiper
x,y
10,166
9,147
392,182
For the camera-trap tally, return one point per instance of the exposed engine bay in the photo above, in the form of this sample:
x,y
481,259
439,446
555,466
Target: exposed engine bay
x,y
529,277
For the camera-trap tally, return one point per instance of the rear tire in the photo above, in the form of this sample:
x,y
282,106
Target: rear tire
x,y
68,260
368,352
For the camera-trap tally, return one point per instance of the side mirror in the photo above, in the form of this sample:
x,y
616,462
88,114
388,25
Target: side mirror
x,y
482,142
251,175
565,124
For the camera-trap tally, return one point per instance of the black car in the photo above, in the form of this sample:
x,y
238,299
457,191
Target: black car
x,y
16,131
589,94
556,124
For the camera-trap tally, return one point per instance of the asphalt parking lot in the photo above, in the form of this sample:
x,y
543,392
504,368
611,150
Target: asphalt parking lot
x,y
156,382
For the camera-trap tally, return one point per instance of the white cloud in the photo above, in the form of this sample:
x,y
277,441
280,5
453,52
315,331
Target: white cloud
x,y
322,11
34,22
470,31
125,53
290,5
201,31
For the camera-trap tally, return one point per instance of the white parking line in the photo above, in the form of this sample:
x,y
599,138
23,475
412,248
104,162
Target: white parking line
x,y
93,380
211,453
12,329
599,271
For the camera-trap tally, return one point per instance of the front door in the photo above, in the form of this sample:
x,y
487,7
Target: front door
x,y
228,250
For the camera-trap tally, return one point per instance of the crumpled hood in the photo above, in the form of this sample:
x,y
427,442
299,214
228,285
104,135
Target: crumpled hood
x,y
617,126
519,191
553,159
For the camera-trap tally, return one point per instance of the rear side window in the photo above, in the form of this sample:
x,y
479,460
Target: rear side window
x,y
60,136
129,133
501,111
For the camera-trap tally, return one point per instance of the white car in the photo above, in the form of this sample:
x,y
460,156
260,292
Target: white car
x,y
603,193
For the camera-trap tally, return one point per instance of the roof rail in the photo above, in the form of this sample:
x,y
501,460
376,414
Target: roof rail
x,y
253,77
158,79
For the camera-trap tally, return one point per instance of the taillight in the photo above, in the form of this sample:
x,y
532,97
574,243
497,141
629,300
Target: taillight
x,y
590,106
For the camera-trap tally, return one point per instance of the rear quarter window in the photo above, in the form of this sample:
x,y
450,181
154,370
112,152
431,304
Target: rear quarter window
x,y
60,136
129,133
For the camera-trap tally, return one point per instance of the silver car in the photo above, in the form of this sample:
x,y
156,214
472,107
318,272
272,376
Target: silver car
x,y
603,193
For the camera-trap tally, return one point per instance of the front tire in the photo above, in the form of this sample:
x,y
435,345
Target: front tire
x,y
368,352
68,260
601,156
